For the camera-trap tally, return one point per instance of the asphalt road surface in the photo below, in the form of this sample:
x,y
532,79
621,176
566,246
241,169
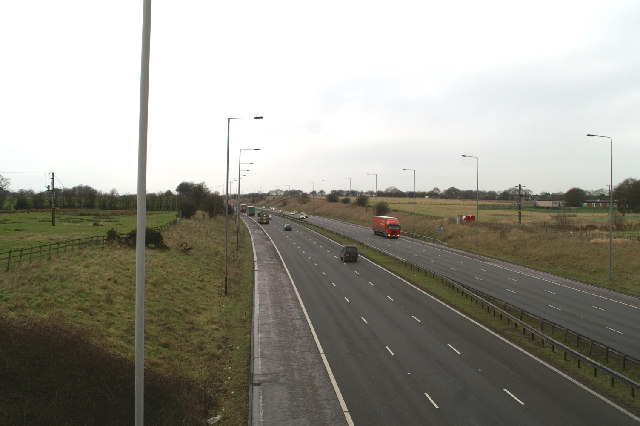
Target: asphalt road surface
x,y
608,317
402,357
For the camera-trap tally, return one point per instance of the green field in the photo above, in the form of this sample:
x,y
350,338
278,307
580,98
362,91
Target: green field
x,y
67,332
29,229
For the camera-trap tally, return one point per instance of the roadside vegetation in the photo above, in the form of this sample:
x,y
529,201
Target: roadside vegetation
x,y
572,245
67,333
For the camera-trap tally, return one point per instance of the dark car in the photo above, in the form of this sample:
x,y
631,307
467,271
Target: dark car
x,y
287,227
349,254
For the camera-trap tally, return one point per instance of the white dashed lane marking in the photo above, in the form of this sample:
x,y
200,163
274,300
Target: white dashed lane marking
x,y
431,400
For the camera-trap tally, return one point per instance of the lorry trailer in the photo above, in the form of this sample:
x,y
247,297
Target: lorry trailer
x,y
386,226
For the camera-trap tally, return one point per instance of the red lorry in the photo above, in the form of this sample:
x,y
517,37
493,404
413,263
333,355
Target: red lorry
x,y
386,226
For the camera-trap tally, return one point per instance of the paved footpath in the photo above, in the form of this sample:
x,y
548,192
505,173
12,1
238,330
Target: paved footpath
x,y
290,384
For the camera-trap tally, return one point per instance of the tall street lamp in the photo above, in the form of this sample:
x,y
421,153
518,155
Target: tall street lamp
x,y
610,201
374,206
238,195
473,156
313,208
238,207
349,205
226,207
414,200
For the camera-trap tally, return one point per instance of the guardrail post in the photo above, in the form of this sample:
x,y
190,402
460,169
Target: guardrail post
x,y
20,261
606,353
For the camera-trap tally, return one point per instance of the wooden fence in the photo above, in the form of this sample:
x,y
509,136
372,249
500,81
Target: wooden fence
x,y
17,256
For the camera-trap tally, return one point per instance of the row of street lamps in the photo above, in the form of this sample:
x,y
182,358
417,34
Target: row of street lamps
x,y
226,206
376,194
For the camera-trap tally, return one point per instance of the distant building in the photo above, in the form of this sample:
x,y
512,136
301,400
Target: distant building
x,y
599,203
548,204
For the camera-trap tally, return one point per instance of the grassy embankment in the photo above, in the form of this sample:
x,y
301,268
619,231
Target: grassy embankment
x,y
601,384
67,333
29,229
582,259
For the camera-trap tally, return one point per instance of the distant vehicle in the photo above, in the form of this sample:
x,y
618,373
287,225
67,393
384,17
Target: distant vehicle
x,y
295,212
251,210
287,227
243,208
303,215
386,226
263,218
349,254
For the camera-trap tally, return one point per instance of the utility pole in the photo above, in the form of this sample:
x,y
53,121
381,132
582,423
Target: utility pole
x,y
519,204
53,200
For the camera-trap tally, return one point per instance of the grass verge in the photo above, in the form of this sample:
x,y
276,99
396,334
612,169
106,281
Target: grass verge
x,y
67,333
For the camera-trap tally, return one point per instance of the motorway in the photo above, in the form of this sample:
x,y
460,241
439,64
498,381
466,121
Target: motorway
x,y
605,316
401,357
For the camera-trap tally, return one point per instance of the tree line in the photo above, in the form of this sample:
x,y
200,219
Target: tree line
x,y
188,198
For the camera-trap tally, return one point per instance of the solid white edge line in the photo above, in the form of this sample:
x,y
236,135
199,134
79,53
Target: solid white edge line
x,y
325,361
549,366
431,400
513,396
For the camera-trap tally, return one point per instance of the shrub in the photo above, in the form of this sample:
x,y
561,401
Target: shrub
x,y
187,208
332,198
382,208
362,200
346,200
113,236
153,239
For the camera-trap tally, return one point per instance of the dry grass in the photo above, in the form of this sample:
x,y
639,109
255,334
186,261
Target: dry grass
x,y
558,253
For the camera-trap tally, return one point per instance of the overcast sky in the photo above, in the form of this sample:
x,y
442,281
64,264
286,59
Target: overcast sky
x,y
346,88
